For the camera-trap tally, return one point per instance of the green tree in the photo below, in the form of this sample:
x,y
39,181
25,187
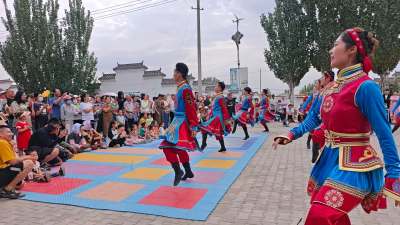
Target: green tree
x,y
287,55
42,53
307,89
327,19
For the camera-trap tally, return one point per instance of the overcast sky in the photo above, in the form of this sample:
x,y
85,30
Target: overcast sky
x,y
164,35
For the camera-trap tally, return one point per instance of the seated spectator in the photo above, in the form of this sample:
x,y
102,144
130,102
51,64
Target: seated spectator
x,y
119,139
134,136
45,142
76,140
24,131
91,136
155,131
113,130
13,169
142,130
37,174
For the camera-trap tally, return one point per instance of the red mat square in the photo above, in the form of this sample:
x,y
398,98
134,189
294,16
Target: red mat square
x,y
177,197
206,177
161,162
57,186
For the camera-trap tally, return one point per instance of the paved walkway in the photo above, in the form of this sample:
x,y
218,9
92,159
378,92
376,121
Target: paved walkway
x,y
271,190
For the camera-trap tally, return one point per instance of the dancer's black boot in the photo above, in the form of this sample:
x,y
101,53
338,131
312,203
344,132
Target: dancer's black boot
x,y
395,128
178,173
266,129
203,142
309,141
222,143
245,132
188,171
315,152
234,126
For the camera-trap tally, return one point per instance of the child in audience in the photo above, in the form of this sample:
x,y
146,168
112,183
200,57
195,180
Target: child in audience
x,y
119,139
120,118
24,132
134,136
142,130
155,131
76,139
38,174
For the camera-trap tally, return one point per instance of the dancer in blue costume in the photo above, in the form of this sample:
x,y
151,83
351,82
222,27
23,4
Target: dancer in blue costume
x,y
349,171
246,113
218,123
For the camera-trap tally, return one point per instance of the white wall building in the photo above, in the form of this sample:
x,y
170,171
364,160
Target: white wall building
x,y
135,78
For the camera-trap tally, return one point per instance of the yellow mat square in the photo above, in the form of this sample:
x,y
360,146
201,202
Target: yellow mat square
x,y
216,163
146,174
110,158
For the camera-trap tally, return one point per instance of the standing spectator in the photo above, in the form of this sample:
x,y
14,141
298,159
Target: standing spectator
x,y
158,109
386,98
10,95
120,100
131,109
20,104
207,101
120,117
230,104
76,103
68,113
55,104
24,131
172,107
86,108
40,112
97,105
13,170
3,100
146,105
107,115
165,112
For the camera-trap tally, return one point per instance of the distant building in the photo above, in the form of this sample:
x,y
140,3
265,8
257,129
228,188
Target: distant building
x,y
136,78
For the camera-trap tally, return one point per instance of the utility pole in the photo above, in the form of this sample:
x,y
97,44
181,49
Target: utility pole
x,y
237,36
199,77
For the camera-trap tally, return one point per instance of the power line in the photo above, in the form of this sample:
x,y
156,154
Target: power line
x,y
116,7
113,6
135,9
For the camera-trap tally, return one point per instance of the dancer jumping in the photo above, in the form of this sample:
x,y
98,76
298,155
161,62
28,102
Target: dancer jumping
x,y
245,114
180,135
349,171
218,124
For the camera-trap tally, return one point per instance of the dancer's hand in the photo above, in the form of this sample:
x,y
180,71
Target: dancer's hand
x,y
194,133
279,141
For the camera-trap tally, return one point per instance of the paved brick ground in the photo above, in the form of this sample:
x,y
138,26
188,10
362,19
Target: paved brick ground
x,y
271,190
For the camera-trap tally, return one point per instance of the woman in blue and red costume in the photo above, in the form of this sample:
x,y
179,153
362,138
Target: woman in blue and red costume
x,y
349,171
219,122
180,136
318,135
265,115
246,113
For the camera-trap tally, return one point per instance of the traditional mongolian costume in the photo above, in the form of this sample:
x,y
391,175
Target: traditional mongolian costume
x,y
265,115
245,115
349,172
217,124
178,139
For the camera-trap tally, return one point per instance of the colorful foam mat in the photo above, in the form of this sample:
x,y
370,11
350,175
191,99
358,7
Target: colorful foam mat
x,y
138,179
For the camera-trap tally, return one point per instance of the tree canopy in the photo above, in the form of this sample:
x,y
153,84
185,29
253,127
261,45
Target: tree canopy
x,y
288,52
43,51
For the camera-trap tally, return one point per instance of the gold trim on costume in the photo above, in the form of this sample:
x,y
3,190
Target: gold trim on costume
x,y
389,194
346,165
